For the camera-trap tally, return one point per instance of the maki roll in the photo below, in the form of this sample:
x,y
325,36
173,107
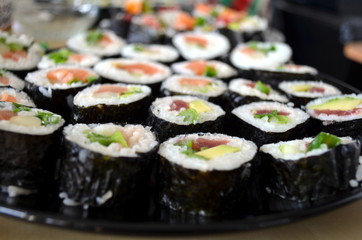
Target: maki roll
x,y
66,57
205,174
103,43
339,115
18,53
170,116
206,88
302,92
8,79
106,164
134,71
211,68
30,148
244,91
104,103
200,45
13,95
152,52
267,122
54,88
310,168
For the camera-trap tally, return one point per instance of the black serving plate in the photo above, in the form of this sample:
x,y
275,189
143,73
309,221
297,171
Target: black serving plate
x,y
147,217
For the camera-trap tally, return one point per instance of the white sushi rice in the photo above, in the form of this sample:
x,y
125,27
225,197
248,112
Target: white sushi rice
x,y
8,125
217,45
252,24
328,119
329,90
282,54
107,69
217,87
20,96
39,78
240,87
223,70
291,68
140,139
14,81
161,109
301,145
78,43
246,113
152,52
173,153
86,97
88,61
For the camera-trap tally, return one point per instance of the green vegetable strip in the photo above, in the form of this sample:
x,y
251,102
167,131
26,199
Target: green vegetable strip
x,y
47,118
262,87
116,137
130,91
324,138
19,108
273,117
266,50
93,37
190,115
189,151
60,56
2,72
210,71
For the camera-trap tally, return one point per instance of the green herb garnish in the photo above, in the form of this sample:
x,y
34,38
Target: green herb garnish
x,y
60,56
210,71
88,80
190,115
93,37
130,91
264,50
262,87
116,137
326,139
47,118
273,116
19,108
199,22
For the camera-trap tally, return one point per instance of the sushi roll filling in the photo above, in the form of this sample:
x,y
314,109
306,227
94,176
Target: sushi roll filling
x,y
138,69
278,117
254,50
202,68
189,111
198,84
96,37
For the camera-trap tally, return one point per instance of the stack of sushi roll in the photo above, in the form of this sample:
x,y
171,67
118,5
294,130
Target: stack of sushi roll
x,y
104,103
106,164
205,174
310,168
30,148
170,116
302,92
16,96
103,43
267,122
8,79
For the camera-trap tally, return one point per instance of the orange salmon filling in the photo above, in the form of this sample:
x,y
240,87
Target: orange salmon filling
x,y
7,98
6,114
199,41
184,21
138,68
194,82
111,89
197,67
248,51
67,75
203,8
15,55
77,57
5,81
133,6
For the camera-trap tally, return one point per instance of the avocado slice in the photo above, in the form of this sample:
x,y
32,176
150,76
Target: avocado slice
x,y
301,88
289,149
217,151
199,106
343,104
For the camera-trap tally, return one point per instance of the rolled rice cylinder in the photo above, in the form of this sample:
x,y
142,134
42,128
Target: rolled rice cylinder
x,y
295,171
302,92
15,96
30,148
204,173
151,52
106,164
119,103
267,122
170,116
8,79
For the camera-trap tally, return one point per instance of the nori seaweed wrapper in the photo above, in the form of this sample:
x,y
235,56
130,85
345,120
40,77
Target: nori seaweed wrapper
x,y
28,161
312,177
240,128
275,78
202,193
164,129
87,175
135,112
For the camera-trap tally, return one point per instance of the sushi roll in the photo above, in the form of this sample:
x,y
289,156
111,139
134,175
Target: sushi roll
x,y
254,55
8,79
203,87
54,88
310,168
104,103
30,148
302,92
133,71
205,174
200,45
340,115
244,91
267,122
18,53
66,57
152,52
106,164
103,43
170,116
211,68
13,95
